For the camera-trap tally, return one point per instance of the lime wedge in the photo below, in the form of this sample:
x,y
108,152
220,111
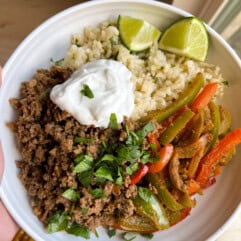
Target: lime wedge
x,y
187,37
136,34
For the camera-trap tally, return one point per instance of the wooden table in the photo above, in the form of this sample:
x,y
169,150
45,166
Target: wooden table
x,y
19,17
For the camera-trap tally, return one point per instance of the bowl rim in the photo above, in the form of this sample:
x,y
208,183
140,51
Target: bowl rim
x,y
78,7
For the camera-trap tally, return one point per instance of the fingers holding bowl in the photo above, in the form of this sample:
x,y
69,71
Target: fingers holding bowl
x,y
1,153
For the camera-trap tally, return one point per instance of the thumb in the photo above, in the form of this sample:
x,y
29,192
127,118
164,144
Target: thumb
x,y
1,155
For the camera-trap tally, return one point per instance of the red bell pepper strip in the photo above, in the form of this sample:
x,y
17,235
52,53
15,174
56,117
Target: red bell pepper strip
x,y
192,186
163,194
165,154
204,97
212,158
217,171
183,214
139,174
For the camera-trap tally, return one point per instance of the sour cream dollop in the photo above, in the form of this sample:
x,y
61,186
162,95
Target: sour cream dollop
x,y
110,83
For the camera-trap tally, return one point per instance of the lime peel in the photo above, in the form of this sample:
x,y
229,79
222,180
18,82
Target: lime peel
x,y
136,34
187,37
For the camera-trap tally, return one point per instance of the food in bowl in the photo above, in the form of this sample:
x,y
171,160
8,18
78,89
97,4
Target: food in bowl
x,y
138,174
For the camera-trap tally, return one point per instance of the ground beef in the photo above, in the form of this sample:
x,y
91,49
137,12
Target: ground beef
x,y
45,137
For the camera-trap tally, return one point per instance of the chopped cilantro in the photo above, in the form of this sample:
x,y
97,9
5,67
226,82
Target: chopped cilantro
x,y
78,230
57,222
113,41
100,180
56,62
155,79
111,232
128,153
84,210
127,236
144,131
82,157
136,138
145,157
86,91
104,144
108,157
84,163
104,172
85,177
132,168
71,194
147,235
225,82
119,177
97,193
109,166
132,138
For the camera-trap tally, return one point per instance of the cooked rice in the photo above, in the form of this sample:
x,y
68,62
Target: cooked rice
x,y
159,77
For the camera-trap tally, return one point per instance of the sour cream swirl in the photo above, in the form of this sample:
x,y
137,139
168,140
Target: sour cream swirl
x,y
110,83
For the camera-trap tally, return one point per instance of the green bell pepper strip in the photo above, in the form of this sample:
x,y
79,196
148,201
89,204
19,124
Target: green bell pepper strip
x,y
193,129
153,210
215,116
186,201
225,121
185,98
173,216
175,128
198,126
136,223
163,194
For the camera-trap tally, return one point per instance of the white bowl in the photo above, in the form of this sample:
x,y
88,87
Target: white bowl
x,y
220,203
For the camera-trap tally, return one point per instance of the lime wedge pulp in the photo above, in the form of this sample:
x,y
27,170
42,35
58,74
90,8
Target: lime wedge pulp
x,y
187,37
137,34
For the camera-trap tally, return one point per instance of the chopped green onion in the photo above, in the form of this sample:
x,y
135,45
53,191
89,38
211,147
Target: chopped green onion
x,y
78,139
113,124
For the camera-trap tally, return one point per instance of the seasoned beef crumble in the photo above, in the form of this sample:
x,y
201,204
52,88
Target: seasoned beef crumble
x,y
45,136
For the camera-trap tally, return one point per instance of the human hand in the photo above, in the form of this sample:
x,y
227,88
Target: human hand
x,y
8,227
